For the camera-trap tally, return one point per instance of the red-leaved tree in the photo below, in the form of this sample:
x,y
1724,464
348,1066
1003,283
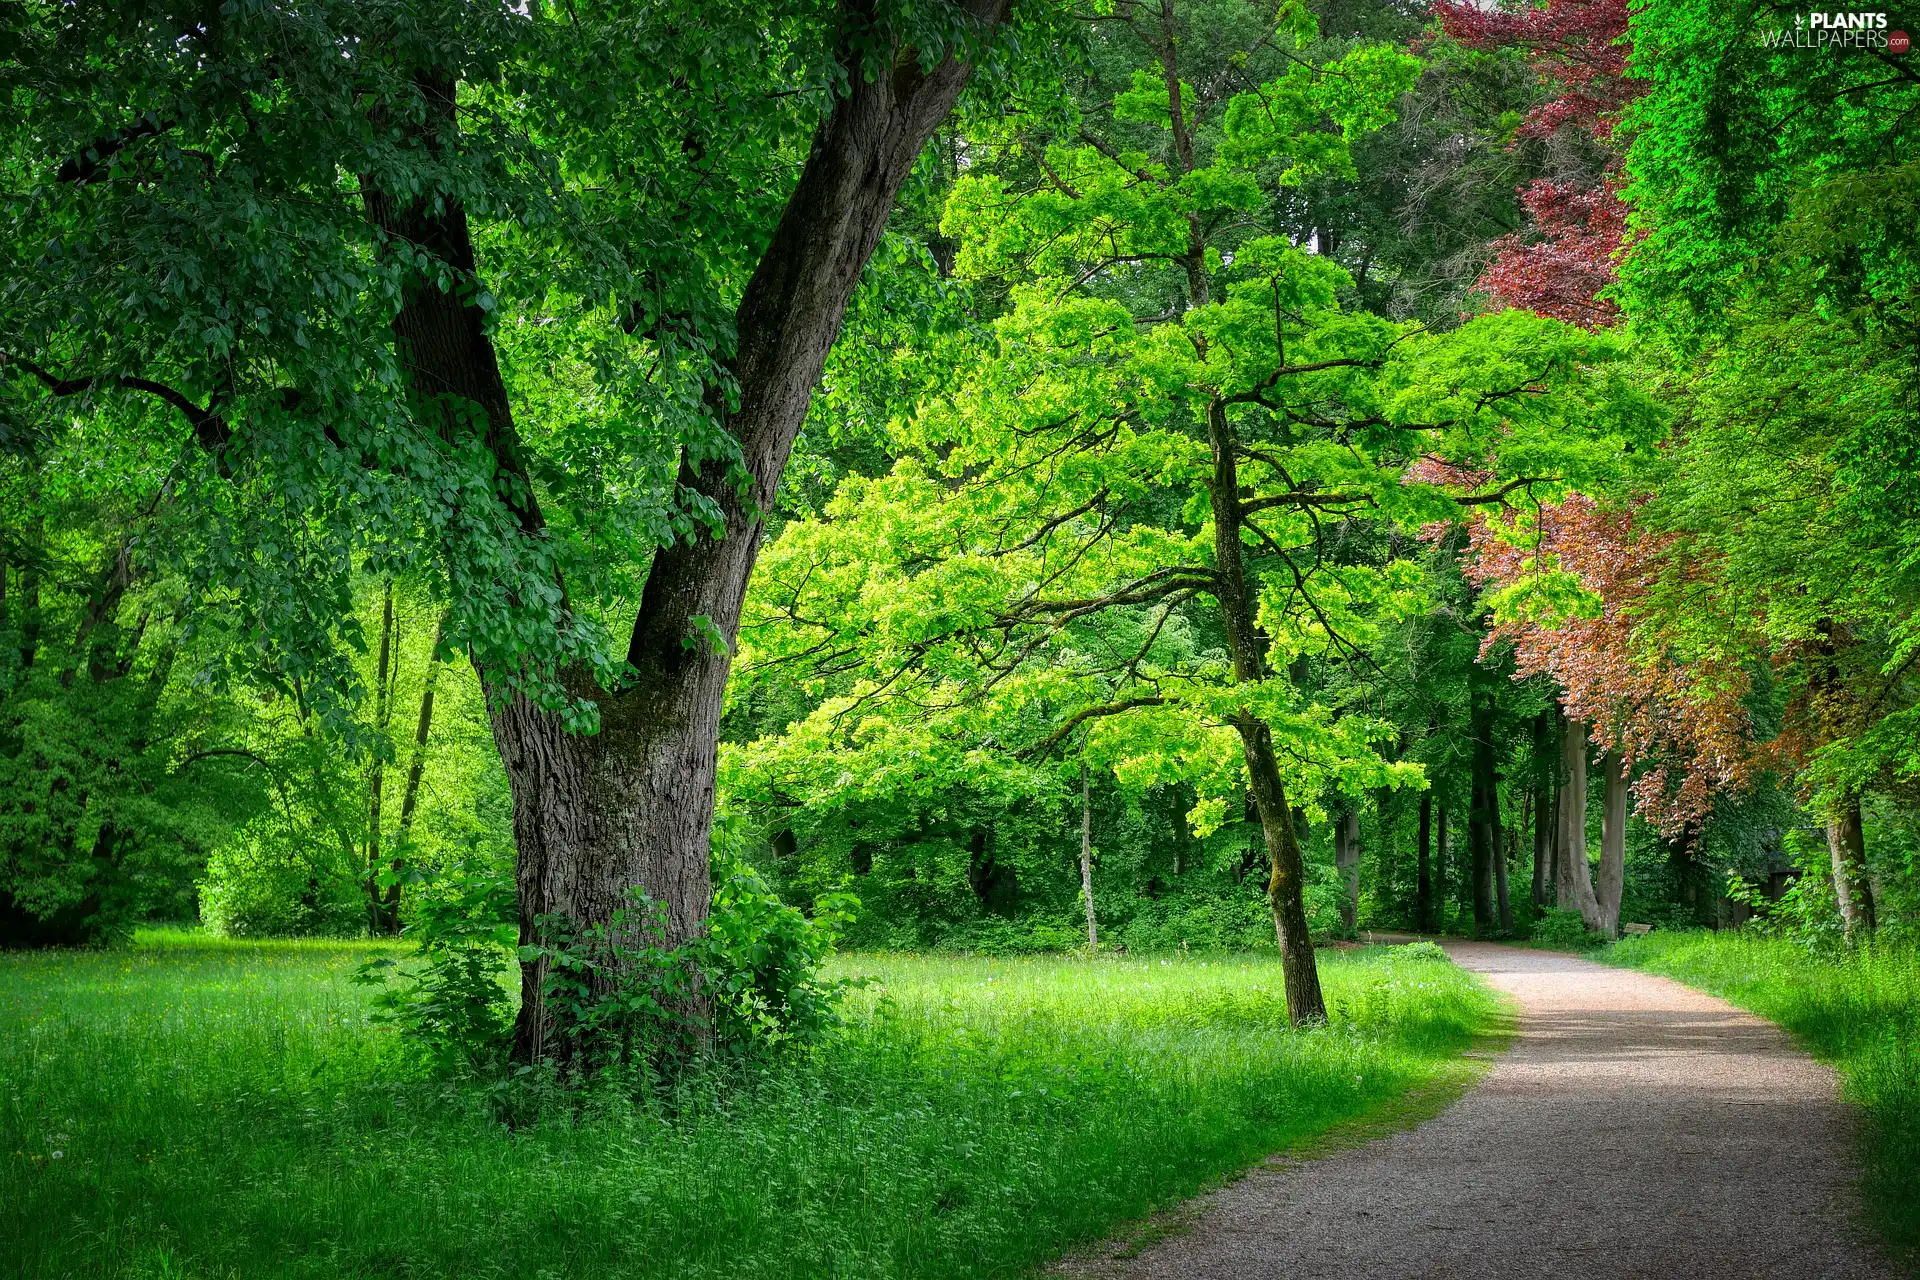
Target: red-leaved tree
x,y
1561,262
1684,721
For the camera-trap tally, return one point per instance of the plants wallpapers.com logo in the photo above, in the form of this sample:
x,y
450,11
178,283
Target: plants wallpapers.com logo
x,y
1847,30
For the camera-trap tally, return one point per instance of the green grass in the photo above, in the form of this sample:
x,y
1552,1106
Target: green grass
x,y
1860,1012
189,1107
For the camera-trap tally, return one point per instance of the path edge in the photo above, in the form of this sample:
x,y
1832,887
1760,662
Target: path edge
x,y
1426,1101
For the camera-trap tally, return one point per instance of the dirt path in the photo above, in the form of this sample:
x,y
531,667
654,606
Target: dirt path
x,y
1634,1128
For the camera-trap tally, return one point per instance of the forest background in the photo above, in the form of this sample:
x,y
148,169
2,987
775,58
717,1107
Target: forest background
x,y
1550,371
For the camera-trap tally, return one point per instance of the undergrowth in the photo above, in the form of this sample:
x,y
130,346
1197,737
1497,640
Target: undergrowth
x,y
191,1109
1860,1011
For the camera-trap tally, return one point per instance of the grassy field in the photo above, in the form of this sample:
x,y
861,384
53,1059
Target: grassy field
x,y
1860,1012
185,1108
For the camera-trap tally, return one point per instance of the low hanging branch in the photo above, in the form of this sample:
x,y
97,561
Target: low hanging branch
x,y
1080,717
210,429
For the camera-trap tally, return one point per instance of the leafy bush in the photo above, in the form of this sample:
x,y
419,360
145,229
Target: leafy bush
x,y
619,999
454,1004
1558,929
1807,912
1202,922
270,882
761,959
1422,950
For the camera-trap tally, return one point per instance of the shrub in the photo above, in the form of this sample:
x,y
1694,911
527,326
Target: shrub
x,y
454,1005
268,881
1558,929
618,998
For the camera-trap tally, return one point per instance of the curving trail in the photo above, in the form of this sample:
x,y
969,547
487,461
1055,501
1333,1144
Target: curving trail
x,y
1634,1128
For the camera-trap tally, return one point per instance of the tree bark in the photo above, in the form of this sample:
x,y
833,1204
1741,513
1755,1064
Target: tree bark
x,y
1852,888
1346,857
1543,780
1613,842
1503,903
1423,882
1286,879
1440,867
1086,858
1575,889
1480,830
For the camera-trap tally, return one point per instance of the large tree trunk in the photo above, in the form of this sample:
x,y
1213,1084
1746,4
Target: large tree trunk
x,y
1286,879
1847,843
1576,874
1086,858
1423,883
1346,858
631,806
1613,842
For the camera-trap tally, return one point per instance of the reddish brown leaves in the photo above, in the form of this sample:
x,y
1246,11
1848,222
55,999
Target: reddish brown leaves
x,y
1684,717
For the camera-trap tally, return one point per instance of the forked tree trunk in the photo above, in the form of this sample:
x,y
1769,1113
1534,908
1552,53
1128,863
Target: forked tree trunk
x,y
1852,888
1346,857
1576,874
632,806
1086,857
1613,843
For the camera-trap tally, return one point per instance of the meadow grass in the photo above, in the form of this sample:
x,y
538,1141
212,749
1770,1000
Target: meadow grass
x,y
1859,1011
191,1107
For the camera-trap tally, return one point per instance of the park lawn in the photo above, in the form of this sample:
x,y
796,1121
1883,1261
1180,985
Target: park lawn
x,y
188,1109
1860,1012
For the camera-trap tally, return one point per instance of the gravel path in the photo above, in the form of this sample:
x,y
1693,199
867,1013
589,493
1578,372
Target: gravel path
x,y
1634,1128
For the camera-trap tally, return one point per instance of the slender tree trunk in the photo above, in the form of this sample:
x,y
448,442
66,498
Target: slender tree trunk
x,y
96,638
1423,882
1543,779
416,770
377,771
1480,823
1576,874
632,806
1086,858
1852,888
30,590
1440,851
1286,879
1503,904
1613,843
1346,857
